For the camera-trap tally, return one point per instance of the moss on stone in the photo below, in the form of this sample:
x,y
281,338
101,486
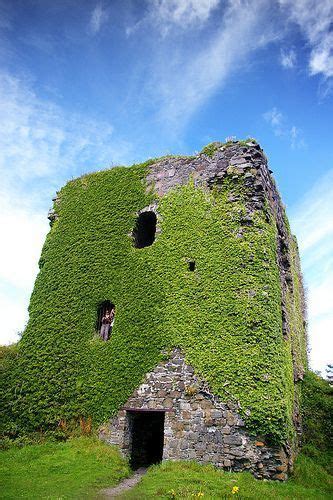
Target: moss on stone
x,y
211,149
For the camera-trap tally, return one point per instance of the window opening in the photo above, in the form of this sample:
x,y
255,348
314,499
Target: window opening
x,y
191,265
145,229
105,319
147,437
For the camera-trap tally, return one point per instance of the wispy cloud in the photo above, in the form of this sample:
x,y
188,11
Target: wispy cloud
x,y
275,119
181,84
38,139
282,128
288,58
312,222
182,13
99,16
166,15
41,146
315,21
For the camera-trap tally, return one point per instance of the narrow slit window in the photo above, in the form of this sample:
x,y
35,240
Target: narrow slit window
x,y
191,265
105,319
145,230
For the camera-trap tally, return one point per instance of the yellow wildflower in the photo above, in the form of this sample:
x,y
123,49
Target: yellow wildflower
x,y
235,490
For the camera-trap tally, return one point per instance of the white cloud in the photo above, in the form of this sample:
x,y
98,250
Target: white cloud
x,y
41,146
274,118
315,21
296,138
14,315
165,15
23,230
281,128
183,13
99,16
288,58
38,139
312,222
182,83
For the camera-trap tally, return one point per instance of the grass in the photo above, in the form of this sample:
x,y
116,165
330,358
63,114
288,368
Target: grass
x,y
77,468
80,467
191,480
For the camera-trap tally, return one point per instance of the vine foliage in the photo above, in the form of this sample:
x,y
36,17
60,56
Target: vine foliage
x,y
225,315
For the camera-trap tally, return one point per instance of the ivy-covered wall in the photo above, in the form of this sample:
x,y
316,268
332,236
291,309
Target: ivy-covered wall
x,y
225,316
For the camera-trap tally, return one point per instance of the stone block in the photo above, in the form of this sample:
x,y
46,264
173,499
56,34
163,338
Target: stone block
x,y
233,440
230,419
280,477
175,394
185,414
205,404
216,414
183,444
198,413
237,452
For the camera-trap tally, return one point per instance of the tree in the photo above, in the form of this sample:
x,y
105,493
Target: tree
x,y
329,373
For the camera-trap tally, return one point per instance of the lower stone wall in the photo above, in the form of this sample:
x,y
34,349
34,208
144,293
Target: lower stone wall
x,y
197,425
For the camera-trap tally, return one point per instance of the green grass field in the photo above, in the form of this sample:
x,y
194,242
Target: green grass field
x,y
80,467
76,468
191,480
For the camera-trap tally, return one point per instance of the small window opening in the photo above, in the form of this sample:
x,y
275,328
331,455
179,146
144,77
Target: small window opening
x,y
146,437
105,319
145,229
191,265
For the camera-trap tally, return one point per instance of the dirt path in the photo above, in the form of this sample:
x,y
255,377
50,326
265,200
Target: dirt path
x,y
125,485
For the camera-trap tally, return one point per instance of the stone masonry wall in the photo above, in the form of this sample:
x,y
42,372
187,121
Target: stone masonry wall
x,y
198,426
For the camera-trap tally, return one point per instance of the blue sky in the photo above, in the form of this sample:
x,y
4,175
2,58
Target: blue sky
x,y
92,84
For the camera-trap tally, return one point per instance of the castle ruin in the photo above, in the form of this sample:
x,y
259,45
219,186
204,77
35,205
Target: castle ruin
x,y
207,350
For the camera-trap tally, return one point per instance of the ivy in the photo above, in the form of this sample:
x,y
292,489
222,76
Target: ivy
x,y
225,315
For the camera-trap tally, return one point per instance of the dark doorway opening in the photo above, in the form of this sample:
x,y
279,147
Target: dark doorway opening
x,y
147,437
145,229
191,265
104,309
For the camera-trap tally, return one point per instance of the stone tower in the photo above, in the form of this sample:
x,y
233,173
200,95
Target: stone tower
x,y
203,361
